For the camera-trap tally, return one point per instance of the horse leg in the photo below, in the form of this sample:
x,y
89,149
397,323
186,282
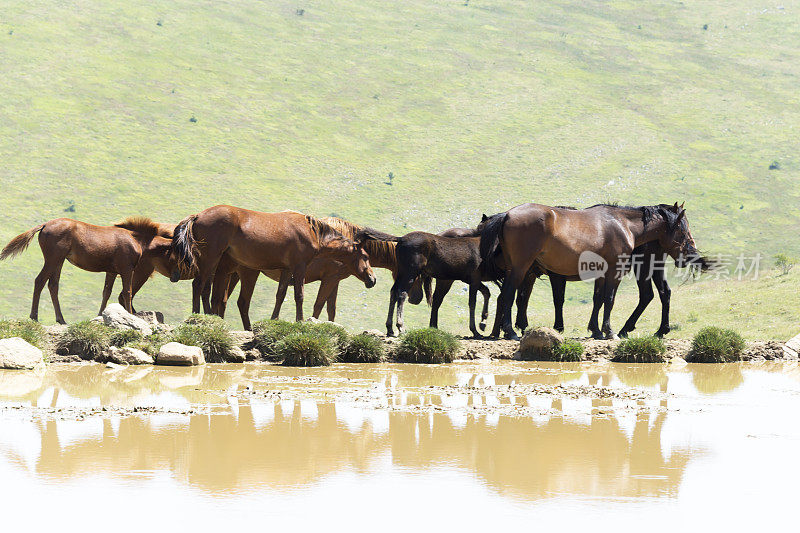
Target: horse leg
x,y
249,279
441,290
645,297
510,285
108,286
127,292
485,312
206,295
38,287
597,303
233,280
609,292
324,291
403,285
299,282
473,296
197,288
332,303
664,293
52,286
283,284
392,301
140,276
523,297
558,284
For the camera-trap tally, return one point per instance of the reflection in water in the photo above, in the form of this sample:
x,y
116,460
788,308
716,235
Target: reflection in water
x,y
227,453
253,442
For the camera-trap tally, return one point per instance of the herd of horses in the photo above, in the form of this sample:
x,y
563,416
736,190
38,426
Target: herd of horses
x,y
223,246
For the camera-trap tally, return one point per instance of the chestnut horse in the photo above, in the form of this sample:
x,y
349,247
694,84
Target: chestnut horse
x,y
327,271
115,250
578,243
287,241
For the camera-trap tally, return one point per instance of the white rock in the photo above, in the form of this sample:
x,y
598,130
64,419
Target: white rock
x,y
539,338
177,354
16,353
236,355
794,344
128,356
116,316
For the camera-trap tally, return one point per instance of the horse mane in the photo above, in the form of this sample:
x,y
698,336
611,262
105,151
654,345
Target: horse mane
x,y
139,224
648,212
379,245
325,232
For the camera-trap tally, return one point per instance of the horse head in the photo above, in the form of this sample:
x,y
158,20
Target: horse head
x,y
677,240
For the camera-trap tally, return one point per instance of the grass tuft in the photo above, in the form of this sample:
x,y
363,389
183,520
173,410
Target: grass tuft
x,y
29,330
427,345
125,337
640,350
716,345
307,348
268,333
364,348
339,334
211,333
87,339
567,351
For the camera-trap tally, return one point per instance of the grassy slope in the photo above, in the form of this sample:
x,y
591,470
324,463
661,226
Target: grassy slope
x,y
472,108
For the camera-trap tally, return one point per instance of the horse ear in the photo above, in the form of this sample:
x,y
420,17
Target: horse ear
x,y
675,207
680,215
484,218
682,204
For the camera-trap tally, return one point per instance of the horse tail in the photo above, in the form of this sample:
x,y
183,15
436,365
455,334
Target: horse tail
x,y
375,235
489,247
19,243
184,244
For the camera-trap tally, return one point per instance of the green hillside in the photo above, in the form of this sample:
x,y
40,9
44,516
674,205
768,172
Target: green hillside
x,y
163,108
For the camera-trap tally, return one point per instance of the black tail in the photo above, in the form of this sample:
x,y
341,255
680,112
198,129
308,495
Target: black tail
x,y
184,245
491,231
374,235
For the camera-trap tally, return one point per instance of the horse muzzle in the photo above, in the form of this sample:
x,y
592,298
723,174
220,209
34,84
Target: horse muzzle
x,y
370,281
176,276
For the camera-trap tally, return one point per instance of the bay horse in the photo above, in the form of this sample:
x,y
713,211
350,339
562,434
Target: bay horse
x,y
648,263
115,250
421,254
564,241
287,241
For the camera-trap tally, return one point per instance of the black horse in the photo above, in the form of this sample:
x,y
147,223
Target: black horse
x,y
425,255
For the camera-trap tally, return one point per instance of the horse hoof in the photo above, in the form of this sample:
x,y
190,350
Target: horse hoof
x,y
482,326
624,334
612,337
511,336
597,336
476,335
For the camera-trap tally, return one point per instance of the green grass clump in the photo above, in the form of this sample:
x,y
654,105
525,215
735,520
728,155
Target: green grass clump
x,y
307,348
152,343
29,330
87,339
209,333
567,351
125,337
716,345
363,348
268,333
339,334
640,350
427,345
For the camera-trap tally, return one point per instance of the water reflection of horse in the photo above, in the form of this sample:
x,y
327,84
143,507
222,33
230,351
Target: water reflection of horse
x,y
282,444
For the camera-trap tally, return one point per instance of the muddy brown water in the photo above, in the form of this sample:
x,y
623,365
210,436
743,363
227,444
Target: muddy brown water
x,y
472,444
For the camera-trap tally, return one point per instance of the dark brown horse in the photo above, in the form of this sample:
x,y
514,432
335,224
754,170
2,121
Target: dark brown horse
x,y
115,250
587,243
425,255
287,241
